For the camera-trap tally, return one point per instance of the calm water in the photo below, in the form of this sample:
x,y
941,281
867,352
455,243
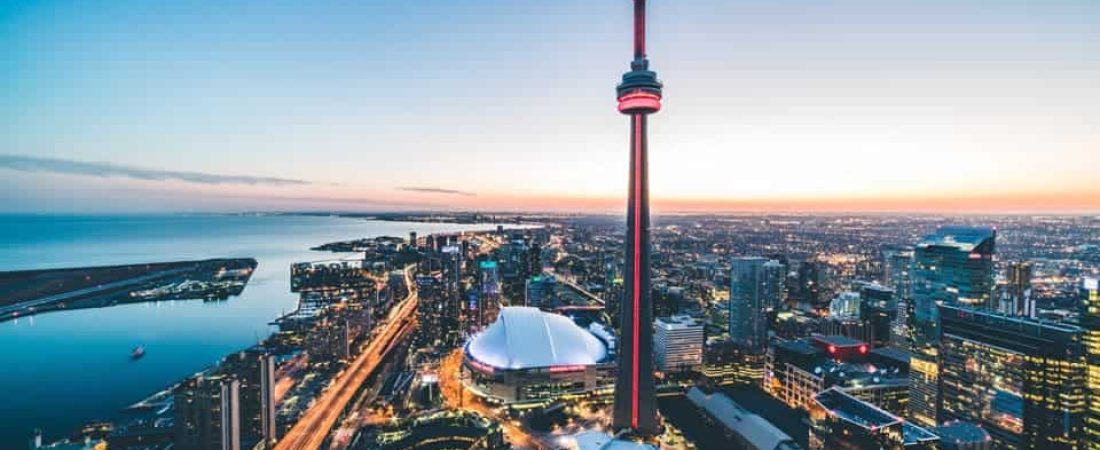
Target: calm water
x,y
63,369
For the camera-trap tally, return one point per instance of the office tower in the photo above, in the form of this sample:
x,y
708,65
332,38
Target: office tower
x,y
678,343
954,265
897,270
267,399
774,279
748,319
1019,288
1090,323
897,265
231,414
1022,380
877,310
639,95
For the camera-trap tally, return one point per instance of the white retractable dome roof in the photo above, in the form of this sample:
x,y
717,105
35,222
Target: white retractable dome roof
x,y
524,338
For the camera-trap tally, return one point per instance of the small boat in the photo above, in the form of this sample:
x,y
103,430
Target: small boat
x,y
137,352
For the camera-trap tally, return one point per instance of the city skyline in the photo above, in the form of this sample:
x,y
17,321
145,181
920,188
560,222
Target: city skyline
x,y
841,107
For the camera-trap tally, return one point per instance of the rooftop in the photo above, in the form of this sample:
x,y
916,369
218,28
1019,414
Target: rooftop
x,y
853,410
963,238
755,430
677,322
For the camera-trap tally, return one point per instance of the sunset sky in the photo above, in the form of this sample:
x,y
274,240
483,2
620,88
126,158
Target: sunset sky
x,y
783,105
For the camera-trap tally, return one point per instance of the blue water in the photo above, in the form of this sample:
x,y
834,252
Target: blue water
x,y
60,370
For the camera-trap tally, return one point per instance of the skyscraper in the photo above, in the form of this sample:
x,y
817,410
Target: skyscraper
x,y
1090,323
489,300
639,94
231,414
878,310
748,322
1021,379
267,399
775,278
1019,287
954,265
207,413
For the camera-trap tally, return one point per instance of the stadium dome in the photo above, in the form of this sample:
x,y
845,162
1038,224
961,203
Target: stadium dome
x,y
524,338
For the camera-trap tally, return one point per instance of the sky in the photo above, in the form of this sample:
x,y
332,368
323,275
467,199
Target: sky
x,y
770,105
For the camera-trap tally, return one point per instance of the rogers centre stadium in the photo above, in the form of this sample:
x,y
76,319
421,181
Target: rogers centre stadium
x,y
529,356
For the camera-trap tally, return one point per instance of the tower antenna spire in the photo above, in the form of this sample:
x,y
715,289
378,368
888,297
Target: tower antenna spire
x,y
639,29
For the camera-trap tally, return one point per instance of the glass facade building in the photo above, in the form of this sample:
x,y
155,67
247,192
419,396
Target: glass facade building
x,y
1022,380
1090,323
748,320
952,266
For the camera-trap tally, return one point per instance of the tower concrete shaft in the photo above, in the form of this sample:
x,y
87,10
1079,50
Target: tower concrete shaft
x,y
639,94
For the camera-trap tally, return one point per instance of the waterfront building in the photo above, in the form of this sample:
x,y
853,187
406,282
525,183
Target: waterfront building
x,y
749,431
207,413
841,421
747,314
528,356
268,407
1090,324
678,343
954,265
639,95
1022,380
231,414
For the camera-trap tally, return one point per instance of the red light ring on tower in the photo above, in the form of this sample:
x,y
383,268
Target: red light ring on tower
x,y
640,100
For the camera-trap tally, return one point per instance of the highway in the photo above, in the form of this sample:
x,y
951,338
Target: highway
x,y
313,427
576,287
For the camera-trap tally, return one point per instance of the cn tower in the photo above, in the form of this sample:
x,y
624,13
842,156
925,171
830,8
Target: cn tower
x,y
639,95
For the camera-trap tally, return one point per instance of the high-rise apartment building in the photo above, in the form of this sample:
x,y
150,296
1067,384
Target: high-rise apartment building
x,y
267,399
747,308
